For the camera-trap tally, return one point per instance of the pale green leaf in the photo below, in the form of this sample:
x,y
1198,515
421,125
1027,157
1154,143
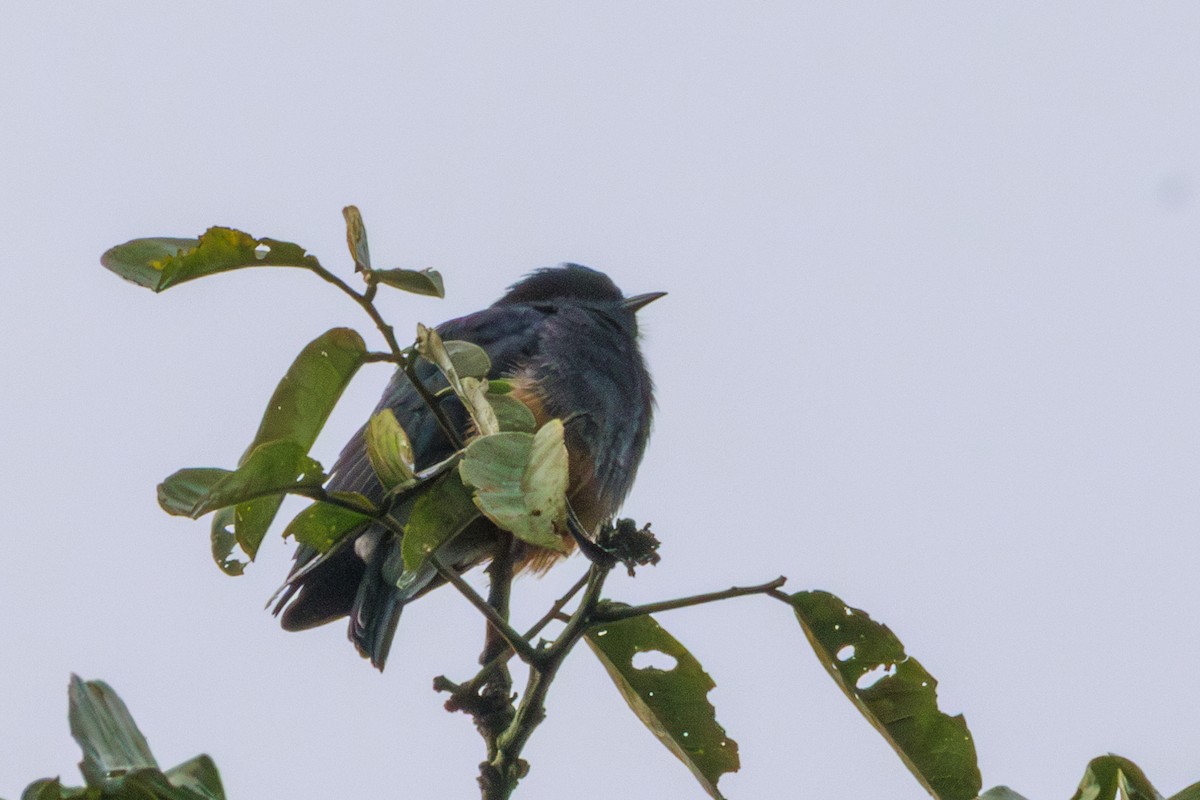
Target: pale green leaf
x,y
389,449
441,511
417,281
356,239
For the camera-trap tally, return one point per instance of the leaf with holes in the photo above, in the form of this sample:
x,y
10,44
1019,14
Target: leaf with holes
x,y
322,525
160,263
672,703
894,693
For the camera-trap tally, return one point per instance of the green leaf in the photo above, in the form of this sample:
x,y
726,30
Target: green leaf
x,y
106,732
520,483
200,776
161,263
389,449
117,763
417,281
183,491
1190,793
1001,793
356,239
900,702
271,469
1111,776
672,703
472,392
322,525
442,511
311,388
296,413
469,360
511,413
224,540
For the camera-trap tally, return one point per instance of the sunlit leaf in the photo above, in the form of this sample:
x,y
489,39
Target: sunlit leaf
x,y
671,701
356,239
442,511
389,449
1109,777
417,281
160,263
515,491
894,693
322,525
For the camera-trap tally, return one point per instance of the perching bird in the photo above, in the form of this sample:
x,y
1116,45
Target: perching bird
x,y
567,339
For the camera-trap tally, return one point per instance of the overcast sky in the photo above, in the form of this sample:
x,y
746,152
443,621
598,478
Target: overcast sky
x,y
931,344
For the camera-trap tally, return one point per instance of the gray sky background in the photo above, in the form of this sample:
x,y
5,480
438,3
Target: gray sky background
x,y
931,345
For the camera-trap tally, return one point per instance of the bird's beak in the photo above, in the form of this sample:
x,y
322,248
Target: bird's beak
x,y
640,301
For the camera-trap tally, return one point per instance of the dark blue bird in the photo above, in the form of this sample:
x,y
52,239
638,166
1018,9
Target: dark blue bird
x,y
567,339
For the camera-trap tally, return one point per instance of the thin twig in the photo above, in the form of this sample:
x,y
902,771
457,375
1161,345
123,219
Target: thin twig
x,y
518,643
607,614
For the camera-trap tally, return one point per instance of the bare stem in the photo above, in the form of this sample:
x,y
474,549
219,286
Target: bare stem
x,y
606,614
517,642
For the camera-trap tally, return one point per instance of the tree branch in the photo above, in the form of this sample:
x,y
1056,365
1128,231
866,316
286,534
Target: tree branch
x,y
610,613
517,642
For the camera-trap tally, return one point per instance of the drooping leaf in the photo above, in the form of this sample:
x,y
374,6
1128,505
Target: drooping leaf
x,y
1190,793
356,239
223,541
160,263
183,491
672,703
272,468
322,525
1110,777
417,281
894,693
389,449
514,490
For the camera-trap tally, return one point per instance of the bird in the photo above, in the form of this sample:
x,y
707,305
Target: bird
x,y
566,338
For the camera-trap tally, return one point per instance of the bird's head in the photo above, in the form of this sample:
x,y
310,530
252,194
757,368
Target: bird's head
x,y
573,283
